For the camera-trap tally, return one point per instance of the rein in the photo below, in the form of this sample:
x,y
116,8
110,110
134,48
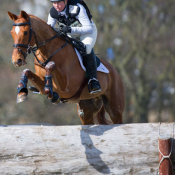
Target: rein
x,y
31,49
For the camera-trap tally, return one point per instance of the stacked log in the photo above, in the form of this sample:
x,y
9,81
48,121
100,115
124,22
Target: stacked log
x,y
130,149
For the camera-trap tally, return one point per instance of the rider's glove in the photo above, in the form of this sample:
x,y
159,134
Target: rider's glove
x,y
66,29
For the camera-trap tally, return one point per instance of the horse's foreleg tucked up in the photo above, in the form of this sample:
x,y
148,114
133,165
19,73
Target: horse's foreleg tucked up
x,y
22,90
48,89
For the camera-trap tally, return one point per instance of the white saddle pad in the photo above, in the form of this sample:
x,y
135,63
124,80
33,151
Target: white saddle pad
x,y
101,67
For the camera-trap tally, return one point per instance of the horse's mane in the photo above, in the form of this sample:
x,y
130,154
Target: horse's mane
x,y
37,18
32,16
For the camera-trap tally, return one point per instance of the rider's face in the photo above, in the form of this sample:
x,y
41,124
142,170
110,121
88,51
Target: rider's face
x,y
59,6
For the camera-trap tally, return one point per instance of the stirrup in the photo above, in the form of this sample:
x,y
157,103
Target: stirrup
x,y
34,89
94,91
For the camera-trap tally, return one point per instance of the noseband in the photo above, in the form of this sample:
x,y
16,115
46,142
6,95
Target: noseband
x,y
31,49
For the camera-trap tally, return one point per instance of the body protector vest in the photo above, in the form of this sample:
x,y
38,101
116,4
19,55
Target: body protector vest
x,y
72,11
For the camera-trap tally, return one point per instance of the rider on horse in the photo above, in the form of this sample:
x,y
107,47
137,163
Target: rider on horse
x,y
76,18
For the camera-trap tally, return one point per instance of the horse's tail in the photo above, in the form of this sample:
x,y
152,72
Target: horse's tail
x,y
100,116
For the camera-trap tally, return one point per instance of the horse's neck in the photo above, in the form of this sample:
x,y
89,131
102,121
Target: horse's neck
x,y
43,33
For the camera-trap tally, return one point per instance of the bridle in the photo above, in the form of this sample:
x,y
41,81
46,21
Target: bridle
x,y
30,37
31,49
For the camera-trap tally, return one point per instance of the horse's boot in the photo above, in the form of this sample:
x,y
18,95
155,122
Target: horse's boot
x,y
91,66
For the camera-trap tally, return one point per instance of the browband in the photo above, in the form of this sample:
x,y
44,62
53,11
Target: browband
x,y
21,24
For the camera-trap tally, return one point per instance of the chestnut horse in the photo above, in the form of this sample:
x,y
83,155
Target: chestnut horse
x,y
62,71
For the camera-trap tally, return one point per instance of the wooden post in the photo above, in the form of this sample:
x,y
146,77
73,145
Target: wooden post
x,y
165,150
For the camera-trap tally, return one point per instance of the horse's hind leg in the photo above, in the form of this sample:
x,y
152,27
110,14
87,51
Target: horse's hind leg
x,y
114,98
86,110
22,86
114,107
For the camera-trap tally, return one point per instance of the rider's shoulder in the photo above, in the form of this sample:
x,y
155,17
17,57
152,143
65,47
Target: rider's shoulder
x,y
53,12
74,9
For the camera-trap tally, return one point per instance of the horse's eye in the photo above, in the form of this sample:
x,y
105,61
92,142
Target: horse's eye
x,y
26,32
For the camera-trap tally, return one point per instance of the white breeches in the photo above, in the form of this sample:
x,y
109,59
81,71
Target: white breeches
x,y
89,39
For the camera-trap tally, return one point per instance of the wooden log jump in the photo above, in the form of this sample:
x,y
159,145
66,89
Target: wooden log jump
x,y
130,149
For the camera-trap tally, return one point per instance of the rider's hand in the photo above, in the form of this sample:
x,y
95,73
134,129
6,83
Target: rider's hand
x,y
61,26
66,29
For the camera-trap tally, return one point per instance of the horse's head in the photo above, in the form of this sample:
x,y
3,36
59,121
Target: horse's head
x,y
22,36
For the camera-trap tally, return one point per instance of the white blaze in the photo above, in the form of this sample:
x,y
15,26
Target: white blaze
x,y
17,29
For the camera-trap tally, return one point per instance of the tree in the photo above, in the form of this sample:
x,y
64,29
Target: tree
x,y
139,33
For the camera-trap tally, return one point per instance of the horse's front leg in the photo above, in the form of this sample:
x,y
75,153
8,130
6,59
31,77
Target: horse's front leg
x,y
22,90
48,89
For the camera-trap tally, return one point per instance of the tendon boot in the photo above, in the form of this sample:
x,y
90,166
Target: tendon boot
x,y
91,66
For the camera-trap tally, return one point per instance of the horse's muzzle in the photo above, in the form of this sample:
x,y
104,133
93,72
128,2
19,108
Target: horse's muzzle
x,y
19,63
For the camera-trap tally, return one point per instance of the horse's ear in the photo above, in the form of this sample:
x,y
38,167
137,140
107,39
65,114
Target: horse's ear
x,y
12,16
24,14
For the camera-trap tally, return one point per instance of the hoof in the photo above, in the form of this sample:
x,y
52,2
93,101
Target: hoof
x,y
21,98
56,99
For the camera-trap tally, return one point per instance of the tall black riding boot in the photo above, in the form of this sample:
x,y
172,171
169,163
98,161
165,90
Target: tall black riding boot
x,y
93,84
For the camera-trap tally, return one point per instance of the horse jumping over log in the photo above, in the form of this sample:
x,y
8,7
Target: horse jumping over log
x,y
58,73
